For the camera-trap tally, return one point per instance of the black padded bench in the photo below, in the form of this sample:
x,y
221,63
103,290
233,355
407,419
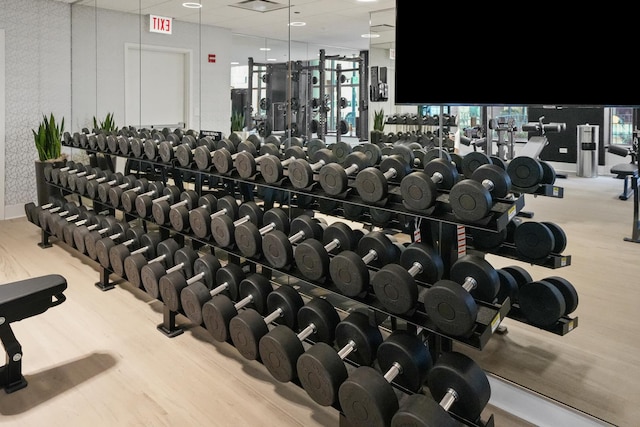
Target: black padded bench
x,y
625,171
19,300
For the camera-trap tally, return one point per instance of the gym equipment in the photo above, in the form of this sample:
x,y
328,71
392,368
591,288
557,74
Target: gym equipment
x,y
349,270
373,183
224,158
626,171
223,226
73,180
33,211
281,347
419,189
168,148
450,303
144,202
544,302
334,178
20,300
219,310
272,168
88,184
526,173
161,208
117,254
116,193
152,272
138,145
248,327
472,161
171,284
395,284
103,188
56,223
537,240
301,172
152,146
82,231
471,199
195,295
457,385
277,248
246,163
45,213
312,256
129,197
59,176
185,153
367,397
164,253
321,369
248,237
203,155
94,236
90,218
200,218
129,237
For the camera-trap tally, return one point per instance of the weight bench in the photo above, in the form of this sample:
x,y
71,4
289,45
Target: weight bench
x,y
19,300
625,171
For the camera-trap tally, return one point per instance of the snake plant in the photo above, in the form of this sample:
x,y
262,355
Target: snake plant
x,y
48,138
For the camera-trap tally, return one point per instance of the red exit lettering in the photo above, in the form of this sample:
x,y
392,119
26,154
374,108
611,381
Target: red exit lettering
x,y
159,24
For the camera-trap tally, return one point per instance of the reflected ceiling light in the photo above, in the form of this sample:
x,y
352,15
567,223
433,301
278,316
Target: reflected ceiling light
x,y
265,49
297,24
192,5
272,59
370,36
235,63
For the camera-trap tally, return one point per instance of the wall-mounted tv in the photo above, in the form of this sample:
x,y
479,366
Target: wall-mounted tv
x,y
497,54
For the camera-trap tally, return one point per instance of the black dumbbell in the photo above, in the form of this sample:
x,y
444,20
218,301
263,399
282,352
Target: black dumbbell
x,y
162,209
138,144
277,247
195,295
246,163
511,279
249,326
34,210
367,397
248,237
203,155
152,189
168,148
151,273
201,217
46,216
272,167
281,347
349,269
457,385
312,256
147,244
321,369
420,189
471,199
164,254
450,303
88,184
219,310
144,202
185,153
373,183
472,161
130,237
73,179
82,231
526,173
116,193
56,223
172,284
538,240
94,236
394,285
125,142
301,172
544,302
99,188
152,146
90,218
224,158
334,177
223,226
62,175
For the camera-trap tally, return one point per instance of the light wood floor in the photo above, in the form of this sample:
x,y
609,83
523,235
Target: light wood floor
x,y
98,359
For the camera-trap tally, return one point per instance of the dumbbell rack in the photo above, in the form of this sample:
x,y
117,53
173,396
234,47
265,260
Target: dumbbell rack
x,y
489,316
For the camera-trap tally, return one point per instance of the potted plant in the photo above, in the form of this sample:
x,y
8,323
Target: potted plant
x,y
237,125
108,125
48,140
378,126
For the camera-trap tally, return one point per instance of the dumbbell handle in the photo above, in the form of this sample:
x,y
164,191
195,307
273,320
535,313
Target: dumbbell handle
x,y
90,177
306,332
80,174
195,278
218,213
148,193
287,161
54,210
488,184
370,256
273,316
317,165
177,205
449,398
267,228
393,372
63,213
158,258
92,227
125,185
176,267
47,206
415,269
241,221
244,302
115,236
140,251
64,169
391,173
72,217
436,177
81,222
349,348
161,198
334,244
128,242
218,289
260,158
296,237
352,169
469,284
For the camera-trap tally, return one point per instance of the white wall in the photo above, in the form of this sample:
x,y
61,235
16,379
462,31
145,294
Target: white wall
x,y
38,81
210,107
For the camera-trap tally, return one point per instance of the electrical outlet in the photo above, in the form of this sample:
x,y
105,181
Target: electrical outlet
x,y
563,150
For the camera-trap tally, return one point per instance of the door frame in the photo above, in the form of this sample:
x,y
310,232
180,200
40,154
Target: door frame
x,y
3,139
188,85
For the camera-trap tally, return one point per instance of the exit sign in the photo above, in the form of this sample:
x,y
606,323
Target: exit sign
x,y
160,24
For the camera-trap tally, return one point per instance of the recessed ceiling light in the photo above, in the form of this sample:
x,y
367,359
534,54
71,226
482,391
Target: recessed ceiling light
x,y
370,36
272,59
235,63
192,5
266,49
297,24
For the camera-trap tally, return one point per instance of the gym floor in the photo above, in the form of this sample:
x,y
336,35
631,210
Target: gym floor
x,y
98,359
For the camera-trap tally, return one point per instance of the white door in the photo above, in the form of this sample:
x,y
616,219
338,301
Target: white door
x,y
157,86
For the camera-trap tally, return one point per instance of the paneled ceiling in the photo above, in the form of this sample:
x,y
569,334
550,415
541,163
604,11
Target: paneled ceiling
x,y
335,25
